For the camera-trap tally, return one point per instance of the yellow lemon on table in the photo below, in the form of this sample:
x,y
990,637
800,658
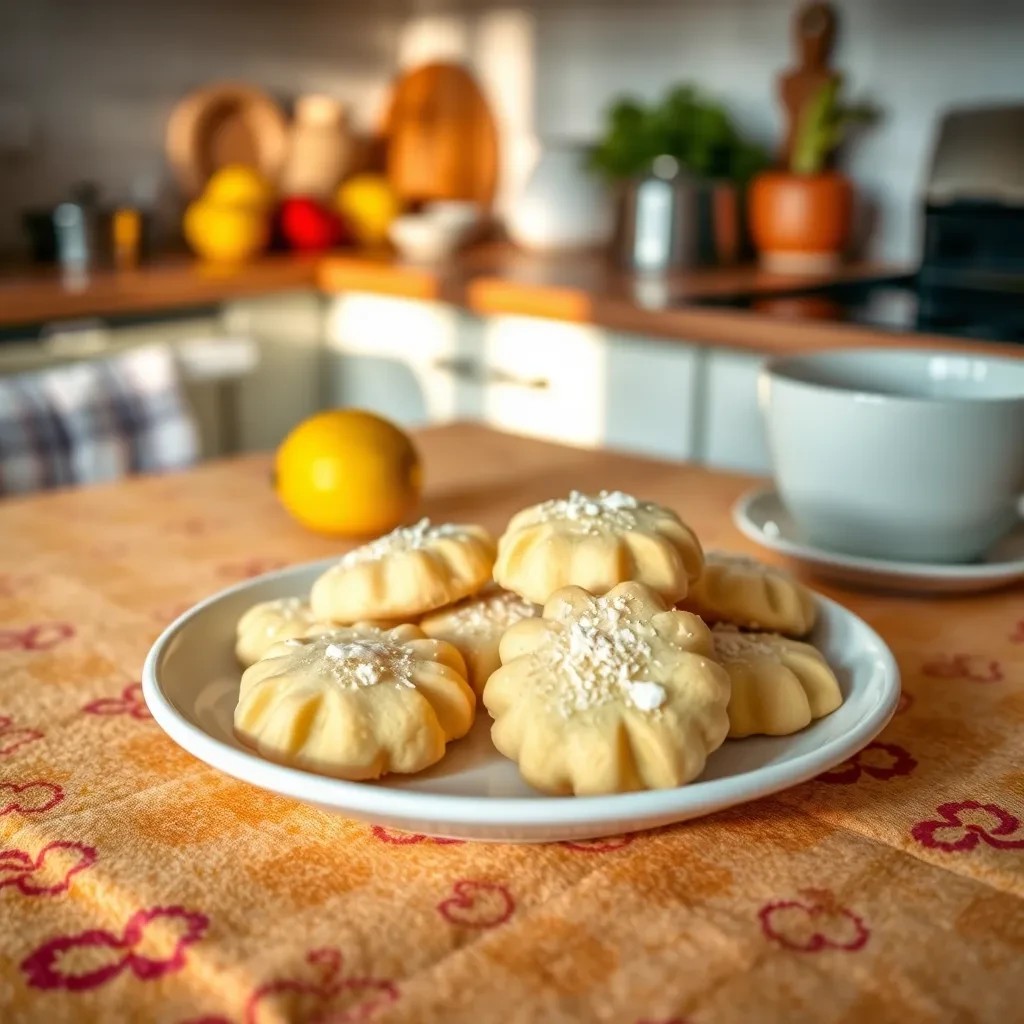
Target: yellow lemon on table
x,y
348,472
224,233
368,205
239,185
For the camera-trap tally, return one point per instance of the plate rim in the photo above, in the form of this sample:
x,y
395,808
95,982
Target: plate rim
x,y
807,552
375,802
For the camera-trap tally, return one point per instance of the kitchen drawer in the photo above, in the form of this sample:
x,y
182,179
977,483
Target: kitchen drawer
x,y
414,362
732,432
586,386
545,379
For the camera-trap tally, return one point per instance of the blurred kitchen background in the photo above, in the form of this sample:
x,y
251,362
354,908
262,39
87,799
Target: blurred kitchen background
x,y
577,219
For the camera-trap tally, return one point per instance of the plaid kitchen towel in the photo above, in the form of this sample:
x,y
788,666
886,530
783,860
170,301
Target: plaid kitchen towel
x,y
94,421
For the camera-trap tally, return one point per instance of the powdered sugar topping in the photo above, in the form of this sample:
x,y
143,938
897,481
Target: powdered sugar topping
x,y
404,538
490,612
646,696
613,509
353,662
603,656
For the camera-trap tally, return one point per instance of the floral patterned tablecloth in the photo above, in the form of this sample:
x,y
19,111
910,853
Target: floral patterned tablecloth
x,y
137,884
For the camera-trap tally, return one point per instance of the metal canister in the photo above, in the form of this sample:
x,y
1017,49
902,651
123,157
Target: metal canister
x,y
669,219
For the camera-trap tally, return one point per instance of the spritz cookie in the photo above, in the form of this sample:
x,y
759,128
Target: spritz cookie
x,y
597,542
356,706
779,685
746,593
270,622
476,625
607,694
405,573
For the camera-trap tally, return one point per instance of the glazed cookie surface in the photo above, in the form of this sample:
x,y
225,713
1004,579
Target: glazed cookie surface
x,y
597,542
355,705
743,592
608,694
476,625
779,685
270,622
405,573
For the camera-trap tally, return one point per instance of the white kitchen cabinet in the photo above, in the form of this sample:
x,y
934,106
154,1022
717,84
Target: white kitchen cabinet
x,y
287,384
412,361
651,394
587,386
731,431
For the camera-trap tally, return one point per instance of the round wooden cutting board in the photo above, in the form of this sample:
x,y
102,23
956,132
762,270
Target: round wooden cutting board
x,y
442,142
225,123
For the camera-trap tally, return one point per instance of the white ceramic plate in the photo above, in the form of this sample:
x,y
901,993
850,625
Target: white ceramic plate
x,y
763,517
190,682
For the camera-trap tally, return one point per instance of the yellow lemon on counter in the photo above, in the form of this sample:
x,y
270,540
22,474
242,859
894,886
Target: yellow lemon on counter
x,y
239,185
368,204
225,233
348,472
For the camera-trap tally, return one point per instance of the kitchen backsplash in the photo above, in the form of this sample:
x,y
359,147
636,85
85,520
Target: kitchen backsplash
x,y
85,89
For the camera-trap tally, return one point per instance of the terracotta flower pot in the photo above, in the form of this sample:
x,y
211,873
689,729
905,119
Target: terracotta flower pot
x,y
800,222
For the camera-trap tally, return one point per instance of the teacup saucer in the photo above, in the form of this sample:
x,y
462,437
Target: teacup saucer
x,y
762,517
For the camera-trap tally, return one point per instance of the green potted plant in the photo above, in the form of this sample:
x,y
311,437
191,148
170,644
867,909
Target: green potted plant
x,y
679,167
801,216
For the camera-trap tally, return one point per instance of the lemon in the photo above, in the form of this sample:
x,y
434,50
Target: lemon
x,y
239,185
222,233
348,472
368,205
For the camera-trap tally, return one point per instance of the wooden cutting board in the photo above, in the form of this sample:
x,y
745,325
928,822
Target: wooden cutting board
x,y
442,142
225,123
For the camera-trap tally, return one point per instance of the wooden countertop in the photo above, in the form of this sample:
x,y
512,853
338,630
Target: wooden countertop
x,y
493,279
174,283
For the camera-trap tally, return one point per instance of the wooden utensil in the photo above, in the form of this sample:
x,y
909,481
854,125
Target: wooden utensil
x,y
442,142
815,30
225,123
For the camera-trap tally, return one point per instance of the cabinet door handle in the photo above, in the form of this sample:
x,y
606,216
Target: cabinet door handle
x,y
467,369
464,368
504,377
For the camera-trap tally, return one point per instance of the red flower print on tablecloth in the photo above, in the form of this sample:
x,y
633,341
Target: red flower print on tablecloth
x,y
1017,635
605,845
813,923
975,667
327,997
49,872
906,702
477,904
962,825
250,567
13,738
878,760
172,929
29,797
130,703
41,636
396,838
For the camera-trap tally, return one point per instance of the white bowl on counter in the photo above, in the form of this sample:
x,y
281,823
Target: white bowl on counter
x,y
435,234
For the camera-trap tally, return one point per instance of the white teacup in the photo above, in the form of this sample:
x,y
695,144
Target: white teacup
x,y
908,455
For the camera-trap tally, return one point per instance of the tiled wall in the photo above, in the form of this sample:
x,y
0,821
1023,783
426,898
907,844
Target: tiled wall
x,y
97,78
